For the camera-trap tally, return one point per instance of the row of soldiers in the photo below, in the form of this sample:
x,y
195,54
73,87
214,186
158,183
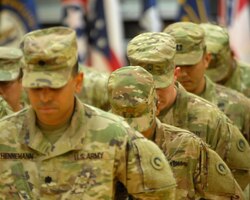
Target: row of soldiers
x,y
158,140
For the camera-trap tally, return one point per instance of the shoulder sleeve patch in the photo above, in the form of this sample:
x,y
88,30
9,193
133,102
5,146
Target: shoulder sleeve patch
x,y
155,169
221,168
241,145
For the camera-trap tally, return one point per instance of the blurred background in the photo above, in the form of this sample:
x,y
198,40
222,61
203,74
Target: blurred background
x,y
104,27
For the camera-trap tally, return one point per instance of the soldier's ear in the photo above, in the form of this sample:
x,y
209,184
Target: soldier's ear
x,y
177,72
157,108
207,59
79,82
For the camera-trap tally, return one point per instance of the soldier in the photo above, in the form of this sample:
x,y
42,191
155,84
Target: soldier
x,y
60,148
192,75
132,95
224,68
155,52
11,79
94,90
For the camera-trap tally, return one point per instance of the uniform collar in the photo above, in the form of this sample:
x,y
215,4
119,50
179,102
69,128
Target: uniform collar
x,y
70,140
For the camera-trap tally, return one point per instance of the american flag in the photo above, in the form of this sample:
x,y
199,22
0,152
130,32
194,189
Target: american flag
x,y
100,35
235,15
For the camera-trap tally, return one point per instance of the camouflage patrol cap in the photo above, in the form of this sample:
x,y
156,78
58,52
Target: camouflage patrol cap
x,y
154,52
10,63
50,55
217,42
132,95
190,42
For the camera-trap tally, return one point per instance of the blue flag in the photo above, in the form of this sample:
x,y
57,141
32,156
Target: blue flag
x,y
150,19
17,17
196,11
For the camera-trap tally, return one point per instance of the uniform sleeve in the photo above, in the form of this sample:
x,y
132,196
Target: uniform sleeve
x,y
238,157
149,175
215,178
200,172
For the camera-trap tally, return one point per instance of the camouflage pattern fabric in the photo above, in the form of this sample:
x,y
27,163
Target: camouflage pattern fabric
x,y
200,117
190,43
49,54
217,43
94,91
199,171
240,79
223,68
5,109
129,101
209,123
10,63
95,151
145,48
234,104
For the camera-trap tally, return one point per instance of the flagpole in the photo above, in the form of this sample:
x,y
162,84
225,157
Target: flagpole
x,y
202,11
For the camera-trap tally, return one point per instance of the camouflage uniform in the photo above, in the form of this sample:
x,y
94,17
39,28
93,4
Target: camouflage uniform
x,y
10,65
132,95
189,111
224,68
94,91
96,150
5,109
235,105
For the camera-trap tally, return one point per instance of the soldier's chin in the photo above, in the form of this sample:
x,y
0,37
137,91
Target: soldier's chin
x,y
185,84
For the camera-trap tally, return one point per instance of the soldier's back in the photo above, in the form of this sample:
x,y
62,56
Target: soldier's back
x,y
234,104
206,121
199,171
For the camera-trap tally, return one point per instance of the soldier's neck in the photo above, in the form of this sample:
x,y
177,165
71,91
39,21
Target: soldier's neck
x,y
149,133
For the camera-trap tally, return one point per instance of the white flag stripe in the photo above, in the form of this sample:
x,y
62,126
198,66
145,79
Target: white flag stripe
x,y
115,28
150,20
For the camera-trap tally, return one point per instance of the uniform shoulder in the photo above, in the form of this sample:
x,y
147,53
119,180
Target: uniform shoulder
x,y
179,135
99,119
10,125
199,105
98,113
16,116
243,65
229,92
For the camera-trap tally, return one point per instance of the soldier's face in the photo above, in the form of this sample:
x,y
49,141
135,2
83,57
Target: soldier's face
x,y
55,106
11,92
192,76
166,97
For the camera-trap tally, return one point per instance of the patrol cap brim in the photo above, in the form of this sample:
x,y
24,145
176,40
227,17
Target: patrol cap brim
x,y
51,79
190,58
143,122
163,81
9,74
217,73
163,76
